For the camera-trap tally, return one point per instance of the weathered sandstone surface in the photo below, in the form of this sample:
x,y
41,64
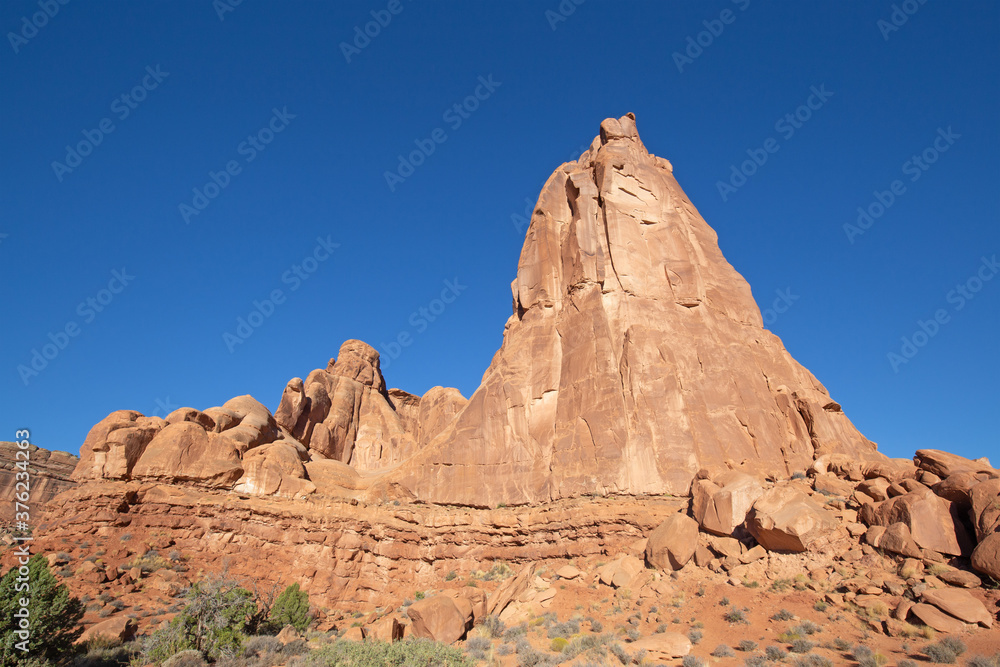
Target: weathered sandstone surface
x,y
49,475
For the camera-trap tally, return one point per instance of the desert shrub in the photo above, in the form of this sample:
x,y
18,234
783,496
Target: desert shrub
x,y
954,644
756,661
515,632
802,646
186,658
478,647
873,660
692,661
807,628
595,625
291,608
821,605
218,616
695,636
775,653
661,628
735,615
619,652
982,661
783,615
55,615
813,660
565,630
723,651
505,649
945,651
632,634
493,627
450,576
780,585
747,645
103,652
409,652
584,643
260,645
724,602
499,571
558,644
841,644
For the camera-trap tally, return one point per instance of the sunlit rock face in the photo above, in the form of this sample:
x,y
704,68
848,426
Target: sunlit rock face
x,y
635,355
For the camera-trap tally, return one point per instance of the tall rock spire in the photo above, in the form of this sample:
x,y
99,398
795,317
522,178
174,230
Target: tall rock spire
x,y
635,355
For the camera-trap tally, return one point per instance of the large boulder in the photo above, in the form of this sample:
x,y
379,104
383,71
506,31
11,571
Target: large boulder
x,y
663,646
937,619
275,469
437,618
959,603
114,444
786,519
387,629
986,556
619,573
984,499
721,506
334,478
186,452
509,590
957,487
117,629
929,518
898,540
945,464
673,543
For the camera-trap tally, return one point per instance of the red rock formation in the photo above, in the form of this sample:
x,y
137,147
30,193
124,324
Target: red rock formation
x,y
49,475
635,355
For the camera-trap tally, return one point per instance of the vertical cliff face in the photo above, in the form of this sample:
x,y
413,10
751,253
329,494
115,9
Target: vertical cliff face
x,y
49,475
635,356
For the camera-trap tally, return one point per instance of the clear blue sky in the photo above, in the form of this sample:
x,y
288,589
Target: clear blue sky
x,y
318,172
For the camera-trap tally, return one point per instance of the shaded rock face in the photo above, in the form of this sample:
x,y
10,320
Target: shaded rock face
x,y
635,355
50,474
